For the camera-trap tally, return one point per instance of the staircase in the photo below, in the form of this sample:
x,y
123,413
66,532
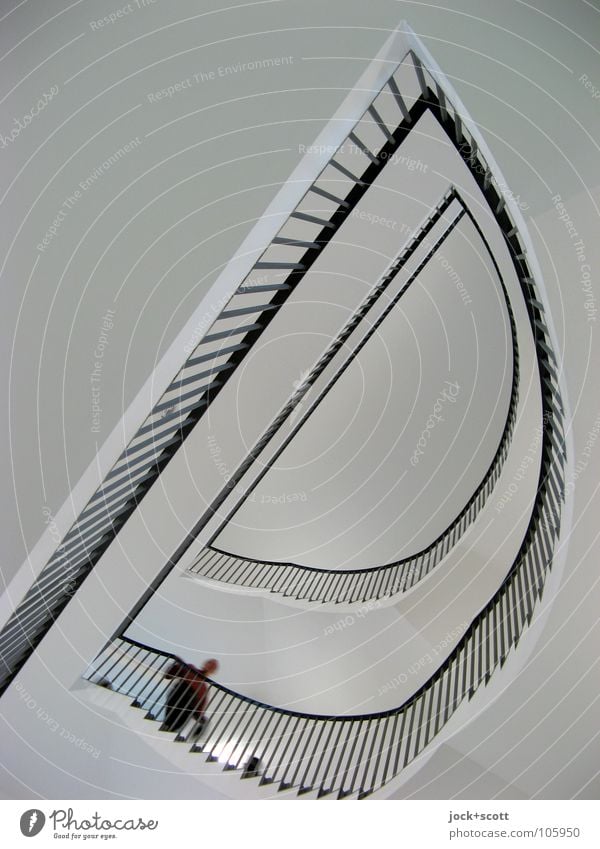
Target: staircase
x,y
177,750
410,92
326,756
347,756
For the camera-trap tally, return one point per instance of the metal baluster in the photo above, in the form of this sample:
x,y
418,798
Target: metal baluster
x,y
322,193
411,711
296,726
313,580
275,747
310,742
312,219
131,659
237,718
346,173
229,569
361,146
338,584
317,593
422,699
420,76
370,747
385,728
216,727
327,784
380,123
358,728
399,100
302,736
328,728
205,561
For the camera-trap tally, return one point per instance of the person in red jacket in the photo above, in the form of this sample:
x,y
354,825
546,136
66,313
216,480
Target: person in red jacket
x,y
188,695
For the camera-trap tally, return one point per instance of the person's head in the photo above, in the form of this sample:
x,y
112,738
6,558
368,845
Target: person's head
x,y
210,666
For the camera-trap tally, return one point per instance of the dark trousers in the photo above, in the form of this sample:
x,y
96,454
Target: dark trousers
x,y
180,706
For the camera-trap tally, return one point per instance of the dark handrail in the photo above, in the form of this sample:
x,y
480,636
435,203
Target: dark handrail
x,y
494,630
488,478
47,596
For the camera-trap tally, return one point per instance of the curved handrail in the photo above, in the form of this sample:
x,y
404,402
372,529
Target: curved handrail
x,y
360,754
340,585
184,402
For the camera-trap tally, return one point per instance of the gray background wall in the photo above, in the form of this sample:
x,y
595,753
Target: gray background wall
x,y
149,236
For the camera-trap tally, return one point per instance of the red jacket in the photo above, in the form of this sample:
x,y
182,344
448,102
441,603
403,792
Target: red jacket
x,y
195,678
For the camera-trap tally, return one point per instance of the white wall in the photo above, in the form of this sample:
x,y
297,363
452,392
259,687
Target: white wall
x,y
518,71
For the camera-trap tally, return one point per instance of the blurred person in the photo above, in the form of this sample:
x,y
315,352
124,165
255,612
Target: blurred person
x,y
188,695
